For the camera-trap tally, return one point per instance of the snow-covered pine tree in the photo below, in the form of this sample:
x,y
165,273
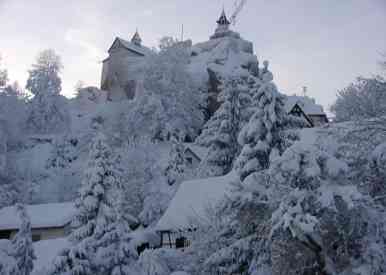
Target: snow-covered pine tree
x,y
263,137
95,211
22,244
174,172
48,109
115,252
223,128
321,224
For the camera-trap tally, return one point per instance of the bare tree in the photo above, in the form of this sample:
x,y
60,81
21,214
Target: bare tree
x,y
3,75
382,62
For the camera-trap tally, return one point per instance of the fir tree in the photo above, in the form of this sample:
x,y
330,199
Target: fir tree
x,y
48,109
223,128
264,136
176,167
95,211
22,244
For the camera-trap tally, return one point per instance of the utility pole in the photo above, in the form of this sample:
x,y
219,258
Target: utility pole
x,y
182,33
304,91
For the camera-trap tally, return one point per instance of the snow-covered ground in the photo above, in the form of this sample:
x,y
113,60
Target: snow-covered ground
x,y
45,252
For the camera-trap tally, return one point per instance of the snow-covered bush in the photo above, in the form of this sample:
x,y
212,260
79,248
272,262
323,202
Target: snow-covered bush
x,y
363,99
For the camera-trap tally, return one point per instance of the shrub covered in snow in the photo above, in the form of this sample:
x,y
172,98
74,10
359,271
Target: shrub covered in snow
x,y
363,99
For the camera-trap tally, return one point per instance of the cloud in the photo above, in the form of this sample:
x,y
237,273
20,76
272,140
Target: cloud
x,y
147,12
76,37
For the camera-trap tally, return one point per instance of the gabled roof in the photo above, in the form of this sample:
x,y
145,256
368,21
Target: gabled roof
x,y
51,215
296,108
193,199
199,151
130,46
306,103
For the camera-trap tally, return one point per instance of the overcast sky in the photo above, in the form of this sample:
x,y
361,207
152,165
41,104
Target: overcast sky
x,y
321,44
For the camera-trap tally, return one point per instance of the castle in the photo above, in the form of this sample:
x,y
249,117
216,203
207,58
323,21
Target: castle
x,y
117,72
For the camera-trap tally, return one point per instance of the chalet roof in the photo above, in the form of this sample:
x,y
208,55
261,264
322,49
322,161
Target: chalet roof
x,y
130,46
197,150
51,215
193,199
307,104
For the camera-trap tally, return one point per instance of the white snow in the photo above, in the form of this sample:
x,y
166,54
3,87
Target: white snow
x,y
46,252
309,136
142,236
41,215
224,55
192,200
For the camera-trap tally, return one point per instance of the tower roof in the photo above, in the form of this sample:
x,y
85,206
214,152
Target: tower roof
x,y
223,20
136,38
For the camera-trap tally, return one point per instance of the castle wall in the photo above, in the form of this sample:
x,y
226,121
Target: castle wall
x,y
117,74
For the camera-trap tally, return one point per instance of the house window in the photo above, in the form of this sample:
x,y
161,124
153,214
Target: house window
x,y
189,160
6,234
36,237
182,242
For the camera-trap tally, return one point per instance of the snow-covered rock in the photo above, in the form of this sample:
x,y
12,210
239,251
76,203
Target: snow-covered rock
x,y
225,56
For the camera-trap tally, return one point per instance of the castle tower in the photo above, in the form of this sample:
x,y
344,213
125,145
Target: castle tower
x,y
222,29
136,39
223,23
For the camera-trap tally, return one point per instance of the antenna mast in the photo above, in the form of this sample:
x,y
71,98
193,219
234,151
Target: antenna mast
x,y
239,4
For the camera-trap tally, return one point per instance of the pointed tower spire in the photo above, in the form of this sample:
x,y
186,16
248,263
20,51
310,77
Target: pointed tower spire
x,y
223,24
223,20
136,38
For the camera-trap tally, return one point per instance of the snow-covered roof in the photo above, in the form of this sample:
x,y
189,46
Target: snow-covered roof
x,y
142,50
41,215
307,104
193,199
198,150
